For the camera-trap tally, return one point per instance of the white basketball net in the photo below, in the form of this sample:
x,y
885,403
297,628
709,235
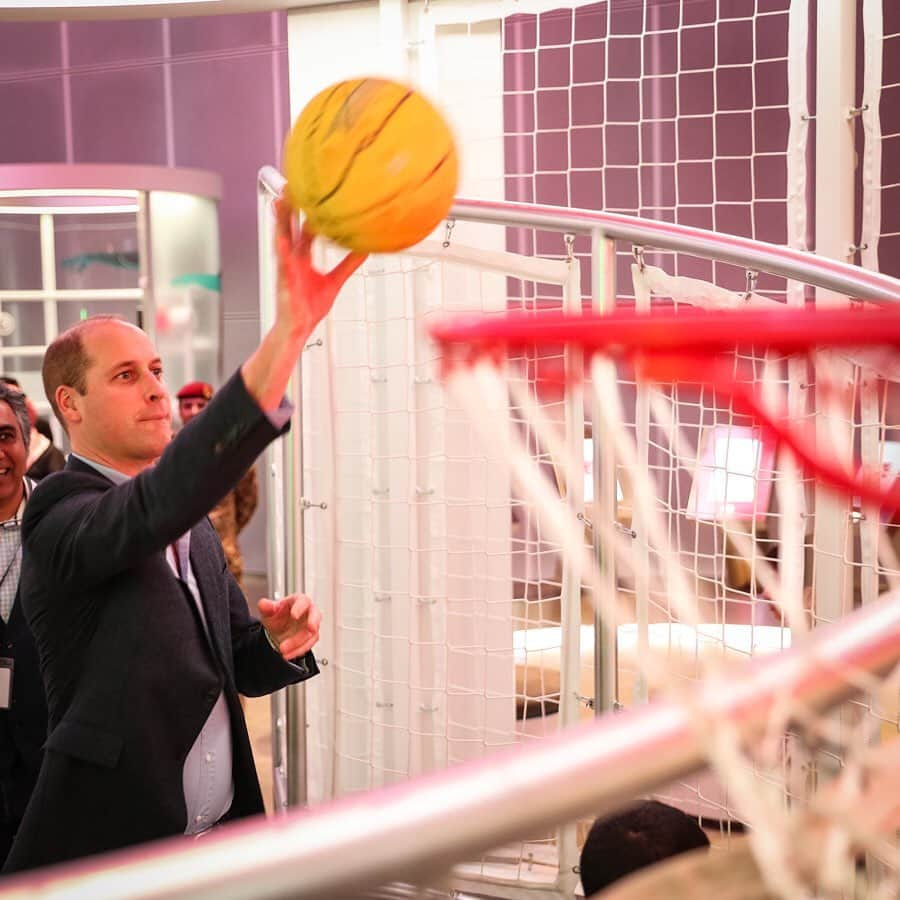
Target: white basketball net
x,y
819,792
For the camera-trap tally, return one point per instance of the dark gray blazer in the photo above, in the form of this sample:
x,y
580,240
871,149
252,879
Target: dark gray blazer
x,y
130,675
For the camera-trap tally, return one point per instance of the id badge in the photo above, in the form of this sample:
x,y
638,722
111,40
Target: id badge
x,y
6,676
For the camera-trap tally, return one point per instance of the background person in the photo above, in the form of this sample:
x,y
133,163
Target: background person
x,y
640,836
231,515
44,457
23,710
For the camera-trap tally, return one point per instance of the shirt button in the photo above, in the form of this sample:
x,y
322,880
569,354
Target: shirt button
x,y
209,757
198,819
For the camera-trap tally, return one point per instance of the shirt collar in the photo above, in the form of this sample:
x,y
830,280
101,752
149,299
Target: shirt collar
x,y
114,475
29,486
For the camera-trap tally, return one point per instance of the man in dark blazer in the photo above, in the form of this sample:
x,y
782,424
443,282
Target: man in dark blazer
x,y
23,710
144,638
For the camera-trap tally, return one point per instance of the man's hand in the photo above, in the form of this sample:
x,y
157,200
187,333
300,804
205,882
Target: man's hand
x,y
292,623
305,295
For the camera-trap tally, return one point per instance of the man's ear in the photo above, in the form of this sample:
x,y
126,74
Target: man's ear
x,y
68,403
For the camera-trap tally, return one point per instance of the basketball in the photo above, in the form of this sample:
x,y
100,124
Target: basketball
x,y
372,164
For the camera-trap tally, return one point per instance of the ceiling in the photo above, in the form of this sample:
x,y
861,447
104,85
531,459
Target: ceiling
x,y
31,10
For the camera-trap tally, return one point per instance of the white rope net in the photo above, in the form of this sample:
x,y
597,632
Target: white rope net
x,y
682,633
459,607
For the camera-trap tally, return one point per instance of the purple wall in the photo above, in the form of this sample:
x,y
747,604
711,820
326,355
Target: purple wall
x,y
95,92
661,109
889,245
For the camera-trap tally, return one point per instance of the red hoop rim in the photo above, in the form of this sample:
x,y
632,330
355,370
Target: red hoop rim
x,y
678,331
676,345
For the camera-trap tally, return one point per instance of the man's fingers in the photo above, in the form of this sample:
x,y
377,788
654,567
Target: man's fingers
x,y
346,267
271,609
299,645
306,636
304,244
300,606
267,606
284,216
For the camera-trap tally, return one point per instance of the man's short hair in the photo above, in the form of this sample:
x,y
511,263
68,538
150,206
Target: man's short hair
x,y
66,361
624,842
15,400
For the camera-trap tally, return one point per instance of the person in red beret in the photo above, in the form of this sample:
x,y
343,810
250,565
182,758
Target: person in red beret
x,y
232,514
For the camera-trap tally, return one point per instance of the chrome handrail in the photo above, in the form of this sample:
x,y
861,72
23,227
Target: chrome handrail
x,y
758,256
419,828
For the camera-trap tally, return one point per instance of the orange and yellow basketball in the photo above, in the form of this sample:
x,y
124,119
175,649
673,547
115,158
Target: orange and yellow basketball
x,y
372,164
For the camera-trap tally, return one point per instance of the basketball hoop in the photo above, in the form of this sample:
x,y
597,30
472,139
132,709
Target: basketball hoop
x,y
669,347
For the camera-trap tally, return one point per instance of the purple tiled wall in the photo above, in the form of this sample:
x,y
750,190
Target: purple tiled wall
x,y
95,92
889,245
670,110
229,109
228,112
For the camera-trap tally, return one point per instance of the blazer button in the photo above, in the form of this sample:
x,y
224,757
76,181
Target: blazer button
x,y
211,694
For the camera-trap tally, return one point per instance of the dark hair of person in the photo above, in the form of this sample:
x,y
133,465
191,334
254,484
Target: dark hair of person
x,y
66,362
15,400
624,842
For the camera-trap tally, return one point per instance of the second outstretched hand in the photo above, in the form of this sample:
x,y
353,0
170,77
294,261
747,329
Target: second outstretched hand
x,y
292,624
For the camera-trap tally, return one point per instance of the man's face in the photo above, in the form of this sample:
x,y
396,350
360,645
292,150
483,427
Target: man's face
x,y
124,418
13,455
190,407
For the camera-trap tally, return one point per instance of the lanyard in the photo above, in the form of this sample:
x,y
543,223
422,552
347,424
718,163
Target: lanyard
x,y
15,556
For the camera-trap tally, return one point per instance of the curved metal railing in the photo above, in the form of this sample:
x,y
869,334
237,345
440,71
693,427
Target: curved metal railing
x,y
419,828
799,265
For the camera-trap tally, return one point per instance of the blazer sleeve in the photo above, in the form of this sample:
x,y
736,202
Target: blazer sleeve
x,y
246,499
259,669
87,532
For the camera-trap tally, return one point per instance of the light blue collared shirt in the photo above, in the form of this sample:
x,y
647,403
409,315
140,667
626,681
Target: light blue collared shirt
x,y
207,775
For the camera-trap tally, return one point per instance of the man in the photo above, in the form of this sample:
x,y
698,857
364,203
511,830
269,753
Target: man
x,y
44,457
23,711
144,638
639,836
231,515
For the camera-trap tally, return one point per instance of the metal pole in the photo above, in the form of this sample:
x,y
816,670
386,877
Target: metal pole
x,y
295,700
48,276
147,306
840,277
835,168
570,589
799,265
284,468
603,299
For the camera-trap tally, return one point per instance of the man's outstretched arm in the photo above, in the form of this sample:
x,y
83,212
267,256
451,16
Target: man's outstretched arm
x,y
304,298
